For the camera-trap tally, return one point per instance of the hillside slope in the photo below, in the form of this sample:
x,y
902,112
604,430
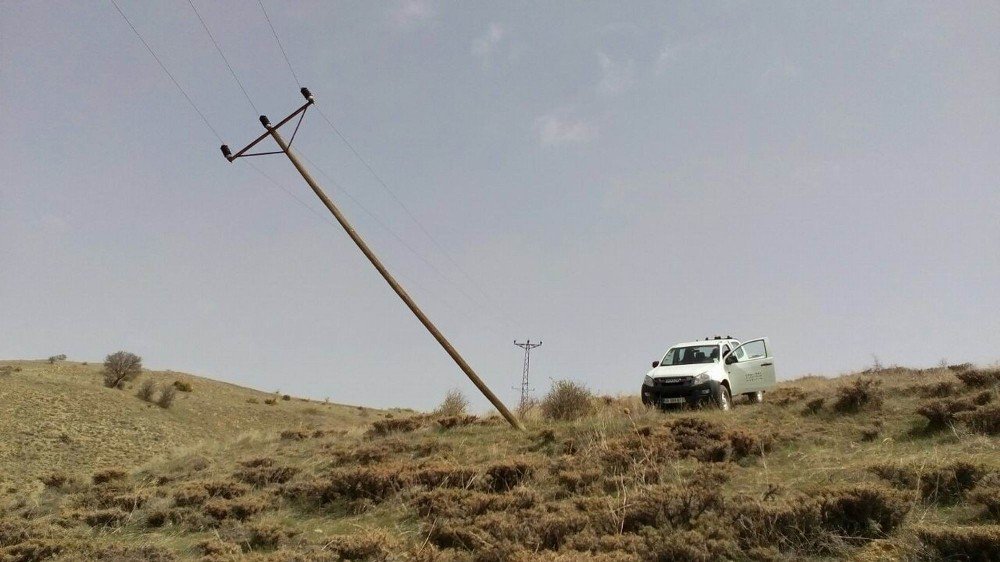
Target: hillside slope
x,y
61,417
895,464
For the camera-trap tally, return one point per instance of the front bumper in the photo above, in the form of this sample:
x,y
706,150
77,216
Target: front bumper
x,y
669,392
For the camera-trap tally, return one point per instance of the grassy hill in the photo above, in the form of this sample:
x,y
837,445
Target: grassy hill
x,y
61,417
894,464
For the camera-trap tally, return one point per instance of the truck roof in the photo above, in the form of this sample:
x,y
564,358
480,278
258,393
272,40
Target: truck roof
x,y
730,341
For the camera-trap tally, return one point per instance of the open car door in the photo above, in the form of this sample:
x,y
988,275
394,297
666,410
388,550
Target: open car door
x,y
750,367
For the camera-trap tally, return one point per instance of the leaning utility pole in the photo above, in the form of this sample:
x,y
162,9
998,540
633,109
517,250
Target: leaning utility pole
x,y
527,347
272,131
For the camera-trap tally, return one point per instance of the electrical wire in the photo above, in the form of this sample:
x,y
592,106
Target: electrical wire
x,y
378,178
224,59
327,220
335,183
278,41
386,227
396,198
165,71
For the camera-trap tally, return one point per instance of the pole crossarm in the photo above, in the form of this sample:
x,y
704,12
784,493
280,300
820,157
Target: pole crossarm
x,y
272,131
300,112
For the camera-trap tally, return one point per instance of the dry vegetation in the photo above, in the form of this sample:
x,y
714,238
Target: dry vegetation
x,y
863,473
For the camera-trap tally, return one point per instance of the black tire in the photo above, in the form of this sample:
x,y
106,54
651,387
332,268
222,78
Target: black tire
x,y
723,399
755,397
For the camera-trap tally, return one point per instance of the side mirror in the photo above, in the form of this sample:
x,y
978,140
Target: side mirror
x,y
656,364
730,359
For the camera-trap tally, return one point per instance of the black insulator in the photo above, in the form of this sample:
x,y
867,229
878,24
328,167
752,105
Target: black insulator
x,y
265,121
306,94
226,152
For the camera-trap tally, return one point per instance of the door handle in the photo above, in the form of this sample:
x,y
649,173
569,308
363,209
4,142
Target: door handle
x,y
768,364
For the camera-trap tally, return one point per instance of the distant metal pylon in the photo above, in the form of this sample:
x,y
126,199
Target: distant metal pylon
x,y
525,389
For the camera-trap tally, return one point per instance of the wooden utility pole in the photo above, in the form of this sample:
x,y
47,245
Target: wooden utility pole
x,y
272,131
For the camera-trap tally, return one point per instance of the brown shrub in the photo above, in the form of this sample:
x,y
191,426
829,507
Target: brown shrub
x,y
813,406
983,398
182,386
984,420
962,543
224,489
394,425
216,548
146,390
567,401
6,370
701,439
862,393
786,525
262,536
863,511
190,495
370,545
439,475
239,508
167,395
942,484
55,479
270,401
294,434
871,432
940,414
979,378
745,443
286,397
120,367
960,367
265,474
670,505
785,395
504,476
108,475
939,390
987,494
456,421
454,405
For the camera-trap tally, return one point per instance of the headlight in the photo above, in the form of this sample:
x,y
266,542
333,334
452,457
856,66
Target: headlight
x,y
700,378
648,381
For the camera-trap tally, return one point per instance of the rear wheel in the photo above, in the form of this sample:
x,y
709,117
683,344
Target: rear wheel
x,y
756,397
723,399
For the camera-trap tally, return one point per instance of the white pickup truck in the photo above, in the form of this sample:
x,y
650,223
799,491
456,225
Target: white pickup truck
x,y
715,370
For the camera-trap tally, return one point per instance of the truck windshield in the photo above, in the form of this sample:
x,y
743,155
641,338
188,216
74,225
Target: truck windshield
x,y
691,355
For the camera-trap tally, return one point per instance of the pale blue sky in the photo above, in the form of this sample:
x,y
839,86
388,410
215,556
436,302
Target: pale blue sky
x,y
615,177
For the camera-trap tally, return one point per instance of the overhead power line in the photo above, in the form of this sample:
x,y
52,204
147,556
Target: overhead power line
x,y
224,59
165,71
378,178
278,41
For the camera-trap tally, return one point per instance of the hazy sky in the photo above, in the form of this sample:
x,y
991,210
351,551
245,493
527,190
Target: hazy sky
x,y
610,178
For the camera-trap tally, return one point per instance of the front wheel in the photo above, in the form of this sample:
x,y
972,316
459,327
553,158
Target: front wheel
x,y
723,399
756,397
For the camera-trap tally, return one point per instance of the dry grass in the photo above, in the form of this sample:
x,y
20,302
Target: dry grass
x,y
61,417
622,482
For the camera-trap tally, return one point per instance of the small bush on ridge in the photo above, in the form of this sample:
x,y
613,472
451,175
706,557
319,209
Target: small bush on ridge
x,y
120,367
455,404
860,394
167,395
979,378
146,390
567,401
182,386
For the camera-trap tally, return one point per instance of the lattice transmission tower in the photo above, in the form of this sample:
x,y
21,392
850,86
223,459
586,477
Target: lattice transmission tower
x,y
525,389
